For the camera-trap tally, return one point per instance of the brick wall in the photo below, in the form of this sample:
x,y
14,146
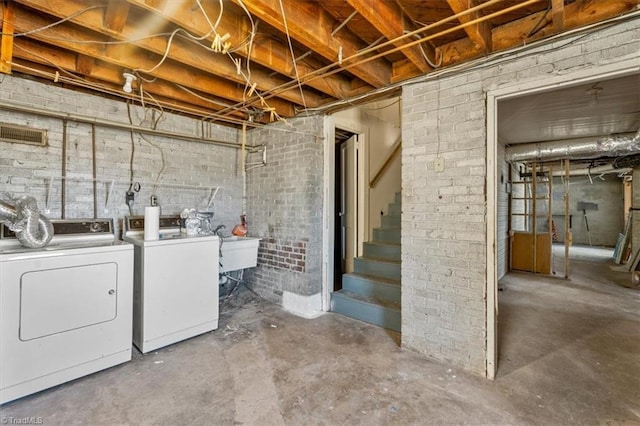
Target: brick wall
x,y
443,219
23,168
284,208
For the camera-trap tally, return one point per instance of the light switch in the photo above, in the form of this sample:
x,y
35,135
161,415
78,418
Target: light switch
x,y
438,165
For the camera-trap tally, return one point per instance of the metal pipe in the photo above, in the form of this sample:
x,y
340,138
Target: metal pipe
x,y
619,145
63,172
114,124
95,172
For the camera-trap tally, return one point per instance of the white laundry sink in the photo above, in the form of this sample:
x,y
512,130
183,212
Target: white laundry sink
x,y
238,253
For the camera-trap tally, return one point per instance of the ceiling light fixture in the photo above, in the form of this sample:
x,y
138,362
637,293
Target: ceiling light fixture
x,y
129,79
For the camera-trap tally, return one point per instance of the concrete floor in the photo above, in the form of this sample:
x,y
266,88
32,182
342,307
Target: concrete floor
x,y
569,354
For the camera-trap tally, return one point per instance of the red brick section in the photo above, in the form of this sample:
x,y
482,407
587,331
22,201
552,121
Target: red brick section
x,y
280,254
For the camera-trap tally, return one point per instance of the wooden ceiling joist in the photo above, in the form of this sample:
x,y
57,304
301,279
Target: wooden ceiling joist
x,y
170,45
115,17
557,10
300,16
6,42
74,39
265,52
479,33
182,51
30,54
387,17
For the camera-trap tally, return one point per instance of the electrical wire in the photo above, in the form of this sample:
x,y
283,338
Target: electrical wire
x,y
61,21
254,28
327,70
487,61
293,56
537,26
213,101
133,150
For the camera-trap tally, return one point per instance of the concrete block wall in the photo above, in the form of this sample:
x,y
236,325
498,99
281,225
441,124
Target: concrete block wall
x,y
284,208
187,165
605,223
443,219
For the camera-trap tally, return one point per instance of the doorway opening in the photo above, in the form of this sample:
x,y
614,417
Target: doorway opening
x,y
346,197
554,202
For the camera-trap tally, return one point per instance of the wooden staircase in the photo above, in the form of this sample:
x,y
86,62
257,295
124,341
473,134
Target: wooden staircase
x,y
372,292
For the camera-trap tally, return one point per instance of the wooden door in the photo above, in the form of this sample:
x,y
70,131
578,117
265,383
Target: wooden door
x,y
531,220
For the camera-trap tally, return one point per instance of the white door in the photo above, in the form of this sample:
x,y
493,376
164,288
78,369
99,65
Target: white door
x,y
349,211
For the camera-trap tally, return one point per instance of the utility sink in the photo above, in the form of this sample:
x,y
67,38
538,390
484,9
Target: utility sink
x,y
238,253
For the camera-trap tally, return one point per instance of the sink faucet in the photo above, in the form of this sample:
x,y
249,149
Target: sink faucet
x,y
218,228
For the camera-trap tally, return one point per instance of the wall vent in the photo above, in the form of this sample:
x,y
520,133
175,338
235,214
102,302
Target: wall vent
x,y
21,134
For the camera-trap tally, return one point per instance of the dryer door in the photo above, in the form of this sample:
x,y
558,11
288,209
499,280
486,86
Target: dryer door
x,y
64,299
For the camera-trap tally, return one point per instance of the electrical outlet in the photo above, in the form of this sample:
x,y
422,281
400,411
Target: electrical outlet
x,y
438,165
130,197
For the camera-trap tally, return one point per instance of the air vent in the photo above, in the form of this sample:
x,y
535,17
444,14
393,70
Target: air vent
x,y
21,134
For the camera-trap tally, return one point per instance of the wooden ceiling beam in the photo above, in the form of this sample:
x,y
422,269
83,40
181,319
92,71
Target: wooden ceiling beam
x,y
309,24
84,64
480,33
388,19
6,42
124,55
31,52
272,54
512,34
557,11
182,51
115,17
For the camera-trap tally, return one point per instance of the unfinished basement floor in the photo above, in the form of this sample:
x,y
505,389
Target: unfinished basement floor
x,y
569,354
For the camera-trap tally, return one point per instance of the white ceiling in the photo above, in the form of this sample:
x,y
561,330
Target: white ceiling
x,y
595,109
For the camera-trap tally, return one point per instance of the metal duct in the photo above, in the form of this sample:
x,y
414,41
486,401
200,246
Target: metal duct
x,y
576,149
32,229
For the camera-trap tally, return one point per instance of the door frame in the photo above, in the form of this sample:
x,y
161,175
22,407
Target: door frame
x,y
328,191
583,76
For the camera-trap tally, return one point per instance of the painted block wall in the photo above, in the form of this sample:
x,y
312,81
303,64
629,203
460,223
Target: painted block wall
x,y
605,223
284,208
635,241
187,165
443,220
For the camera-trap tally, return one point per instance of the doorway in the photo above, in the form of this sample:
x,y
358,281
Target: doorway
x,y
346,195
496,161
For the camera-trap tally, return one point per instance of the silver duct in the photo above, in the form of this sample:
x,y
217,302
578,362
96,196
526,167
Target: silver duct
x,y
32,229
576,149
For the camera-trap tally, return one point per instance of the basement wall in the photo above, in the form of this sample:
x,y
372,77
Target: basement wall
x,y
284,209
605,223
191,168
635,224
443,221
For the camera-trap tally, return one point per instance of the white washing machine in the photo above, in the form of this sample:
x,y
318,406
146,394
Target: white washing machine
x,y
65,309
175,284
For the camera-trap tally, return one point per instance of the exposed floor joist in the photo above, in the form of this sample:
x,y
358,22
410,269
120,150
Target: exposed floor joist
x,y
344,49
